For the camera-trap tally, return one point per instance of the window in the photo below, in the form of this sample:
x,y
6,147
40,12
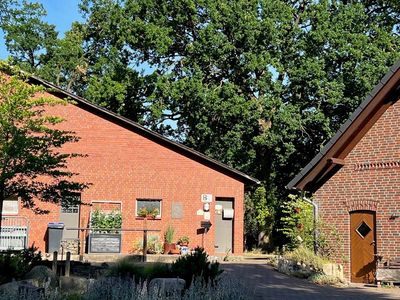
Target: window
x,y
70,204
363,229
151,207
10,207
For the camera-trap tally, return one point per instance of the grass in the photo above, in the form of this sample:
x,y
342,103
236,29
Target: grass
x,y
323,279
307,257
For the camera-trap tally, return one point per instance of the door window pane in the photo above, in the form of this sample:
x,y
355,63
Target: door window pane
x,y
363,229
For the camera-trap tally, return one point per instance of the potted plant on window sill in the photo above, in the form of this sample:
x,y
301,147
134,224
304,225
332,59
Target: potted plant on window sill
x,y
148,213
169,245
184,241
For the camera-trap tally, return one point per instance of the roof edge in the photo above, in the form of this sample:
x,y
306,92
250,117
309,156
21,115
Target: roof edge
x,y
369,98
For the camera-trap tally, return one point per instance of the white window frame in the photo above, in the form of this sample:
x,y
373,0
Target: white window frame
x,y
148,199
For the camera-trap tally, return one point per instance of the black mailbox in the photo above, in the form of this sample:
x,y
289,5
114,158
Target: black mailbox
x,y
205,224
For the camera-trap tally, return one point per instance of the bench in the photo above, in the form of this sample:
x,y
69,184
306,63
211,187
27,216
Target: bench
x,y
388,272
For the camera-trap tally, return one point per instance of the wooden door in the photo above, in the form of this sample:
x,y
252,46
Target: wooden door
x,y
362,235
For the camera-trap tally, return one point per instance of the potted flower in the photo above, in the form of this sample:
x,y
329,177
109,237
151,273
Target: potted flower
x,y
169,245
184,241
148,213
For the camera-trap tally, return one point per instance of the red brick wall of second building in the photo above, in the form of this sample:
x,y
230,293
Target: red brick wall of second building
x,y
369,180
122,165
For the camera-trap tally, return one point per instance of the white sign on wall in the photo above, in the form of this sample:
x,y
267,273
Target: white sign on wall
x,y
207,215
206,198
10,207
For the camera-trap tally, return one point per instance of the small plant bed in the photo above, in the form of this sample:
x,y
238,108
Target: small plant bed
x,y
303,263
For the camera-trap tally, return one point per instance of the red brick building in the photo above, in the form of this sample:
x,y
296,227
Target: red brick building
x,y
356,181
130,167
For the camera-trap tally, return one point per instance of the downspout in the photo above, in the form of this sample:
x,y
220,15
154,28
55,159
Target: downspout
x,y
315,218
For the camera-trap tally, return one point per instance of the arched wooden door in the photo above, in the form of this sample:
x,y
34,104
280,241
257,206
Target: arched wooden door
x,y
362,235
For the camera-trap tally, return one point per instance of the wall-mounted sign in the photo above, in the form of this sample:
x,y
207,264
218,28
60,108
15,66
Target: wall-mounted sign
x,y
10,207
218,209
227,213
207,215
200,212
206,198
104,243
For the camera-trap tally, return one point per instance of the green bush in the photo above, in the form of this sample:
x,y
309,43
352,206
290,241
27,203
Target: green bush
x,y
298,223
127,268
196,265
106,220
15,264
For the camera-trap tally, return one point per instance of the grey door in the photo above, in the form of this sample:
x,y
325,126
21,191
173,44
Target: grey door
x,y
223,227
70,217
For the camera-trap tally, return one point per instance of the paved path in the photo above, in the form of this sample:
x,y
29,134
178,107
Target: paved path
x,y
266,283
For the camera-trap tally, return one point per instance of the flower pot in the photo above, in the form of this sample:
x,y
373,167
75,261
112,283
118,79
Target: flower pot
x,y
168,247
175,251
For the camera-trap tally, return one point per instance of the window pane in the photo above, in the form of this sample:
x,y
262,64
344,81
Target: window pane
x,y
67,207
363,229
149,205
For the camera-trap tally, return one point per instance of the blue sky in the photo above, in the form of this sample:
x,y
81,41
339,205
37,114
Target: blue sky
x,y
60,13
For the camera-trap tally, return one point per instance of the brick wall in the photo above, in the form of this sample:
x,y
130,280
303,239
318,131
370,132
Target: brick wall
x,y
123,166
370,180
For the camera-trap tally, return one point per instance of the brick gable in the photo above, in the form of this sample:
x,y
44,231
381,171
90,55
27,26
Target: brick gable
x,y
369,180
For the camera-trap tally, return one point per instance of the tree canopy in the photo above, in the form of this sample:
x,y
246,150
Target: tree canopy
x,y
260,85
31,163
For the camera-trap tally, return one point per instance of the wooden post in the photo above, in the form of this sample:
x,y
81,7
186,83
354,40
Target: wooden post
x,y
68,264
54,266
144,245
82,245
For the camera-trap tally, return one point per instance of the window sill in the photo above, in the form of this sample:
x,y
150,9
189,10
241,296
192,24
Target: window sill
x,y
150,219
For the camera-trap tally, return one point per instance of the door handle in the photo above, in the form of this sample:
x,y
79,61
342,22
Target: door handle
x,y
372,243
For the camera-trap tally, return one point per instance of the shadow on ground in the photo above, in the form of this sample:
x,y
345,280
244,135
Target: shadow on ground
x,y
266,283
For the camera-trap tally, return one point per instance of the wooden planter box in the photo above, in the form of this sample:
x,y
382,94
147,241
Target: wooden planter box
x,y
104,243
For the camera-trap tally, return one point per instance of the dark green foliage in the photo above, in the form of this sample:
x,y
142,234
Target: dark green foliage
x,y
196,266
15,264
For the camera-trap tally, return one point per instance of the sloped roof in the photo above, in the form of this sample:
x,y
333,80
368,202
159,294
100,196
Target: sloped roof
x,y
331,158
107,114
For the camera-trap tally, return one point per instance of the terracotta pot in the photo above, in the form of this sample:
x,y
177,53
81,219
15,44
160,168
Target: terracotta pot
x,y
169,247
175,251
